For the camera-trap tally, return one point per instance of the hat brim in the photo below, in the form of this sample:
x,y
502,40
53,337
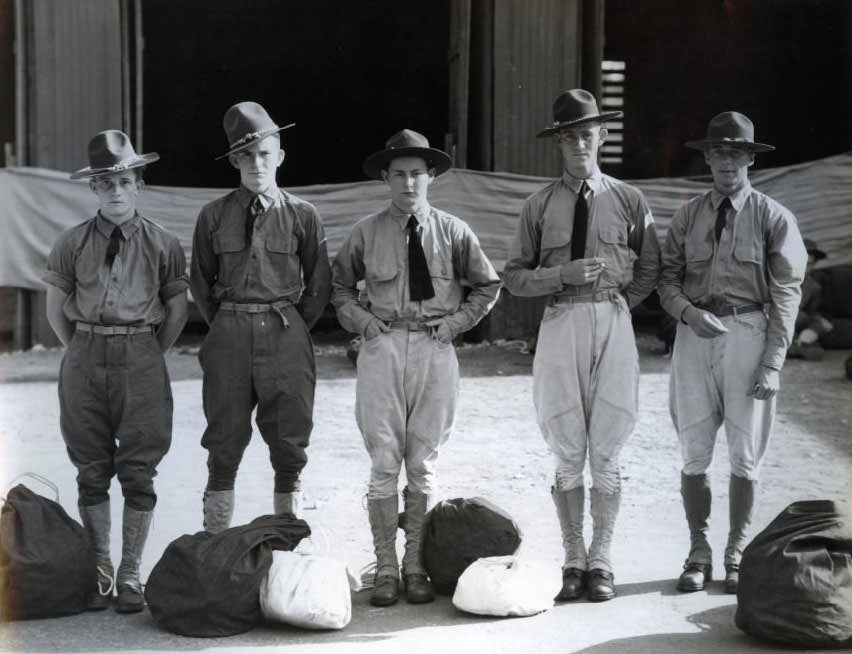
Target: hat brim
x,y
260,136
139,160
748,145
600,118
378,161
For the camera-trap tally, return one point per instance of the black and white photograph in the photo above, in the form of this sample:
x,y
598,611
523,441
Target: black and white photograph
x,y
371,326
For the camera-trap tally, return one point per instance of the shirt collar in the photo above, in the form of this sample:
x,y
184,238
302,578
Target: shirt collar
x,y
574,183
267,198
127,228
737,199
422,213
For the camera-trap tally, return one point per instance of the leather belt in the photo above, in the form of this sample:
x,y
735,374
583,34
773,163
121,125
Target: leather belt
x,y
722,310
114,330
259,307
600,296
408,325
246,307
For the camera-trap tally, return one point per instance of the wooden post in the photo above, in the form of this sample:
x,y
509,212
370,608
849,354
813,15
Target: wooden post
x,y
592,46
459,62
22,331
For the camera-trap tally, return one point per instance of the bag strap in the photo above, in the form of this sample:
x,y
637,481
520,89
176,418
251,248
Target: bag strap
x,y
318,543
37,477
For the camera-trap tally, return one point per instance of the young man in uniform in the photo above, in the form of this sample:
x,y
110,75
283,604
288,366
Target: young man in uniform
x,y
261,277
116,298
588,242
414,260
732,267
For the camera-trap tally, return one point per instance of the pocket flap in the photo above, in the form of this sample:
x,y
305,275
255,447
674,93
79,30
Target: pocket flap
x,y
228,243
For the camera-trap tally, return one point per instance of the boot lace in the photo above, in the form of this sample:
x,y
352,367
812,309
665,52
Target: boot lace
x,y
105,576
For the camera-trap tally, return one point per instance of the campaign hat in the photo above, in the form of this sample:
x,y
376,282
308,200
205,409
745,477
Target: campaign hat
x,y
575,107
730,128
247,123
406,143
110,151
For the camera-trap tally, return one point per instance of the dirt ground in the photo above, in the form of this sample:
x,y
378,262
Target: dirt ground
x,y
495,452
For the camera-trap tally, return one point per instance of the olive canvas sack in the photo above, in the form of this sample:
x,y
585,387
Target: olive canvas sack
x,y
47,564
795,582
460,531
209,584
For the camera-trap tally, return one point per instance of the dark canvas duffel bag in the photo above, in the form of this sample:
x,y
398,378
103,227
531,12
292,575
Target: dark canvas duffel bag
x,y
47,564
209,584
460,531
796,577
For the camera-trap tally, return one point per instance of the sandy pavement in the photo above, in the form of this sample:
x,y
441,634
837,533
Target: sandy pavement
x,y
496,452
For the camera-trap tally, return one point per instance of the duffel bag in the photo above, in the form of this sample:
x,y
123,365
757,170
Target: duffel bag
x,y
47,564
307,591
508,586
208,584
795,583
460,531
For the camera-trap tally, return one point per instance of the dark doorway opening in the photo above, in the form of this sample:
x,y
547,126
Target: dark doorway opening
x,y
783,63
349,74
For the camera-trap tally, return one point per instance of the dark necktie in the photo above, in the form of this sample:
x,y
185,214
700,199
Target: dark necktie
x,y
114,245
255,208
581,223
419,279
721,217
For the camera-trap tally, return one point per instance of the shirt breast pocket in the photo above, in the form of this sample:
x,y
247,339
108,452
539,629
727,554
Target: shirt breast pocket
x,y
224,244
280,245
230,249
555,245
697,251
282,252
443,280
698,254
613,248
380,284
748,251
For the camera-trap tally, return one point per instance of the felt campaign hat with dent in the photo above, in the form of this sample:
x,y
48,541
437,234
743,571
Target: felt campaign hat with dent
x,y
575,107
730,128
246,123
111,152
406,143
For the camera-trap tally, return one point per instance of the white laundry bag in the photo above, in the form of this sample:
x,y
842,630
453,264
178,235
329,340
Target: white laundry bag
x,y
307,591
508,586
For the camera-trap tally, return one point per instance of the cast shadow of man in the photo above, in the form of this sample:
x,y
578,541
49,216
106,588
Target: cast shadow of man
x,y
716,633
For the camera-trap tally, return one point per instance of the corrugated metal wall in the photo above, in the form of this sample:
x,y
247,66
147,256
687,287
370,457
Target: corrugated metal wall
x,y
74,59
74,56
537,49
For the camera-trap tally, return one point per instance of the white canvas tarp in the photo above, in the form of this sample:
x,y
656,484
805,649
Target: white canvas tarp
x,y
36,205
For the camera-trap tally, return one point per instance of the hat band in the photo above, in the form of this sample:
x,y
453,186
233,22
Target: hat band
x,y
252,136
121,165
556,123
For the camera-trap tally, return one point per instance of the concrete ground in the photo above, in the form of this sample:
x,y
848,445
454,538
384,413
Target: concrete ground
x,y
496,452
